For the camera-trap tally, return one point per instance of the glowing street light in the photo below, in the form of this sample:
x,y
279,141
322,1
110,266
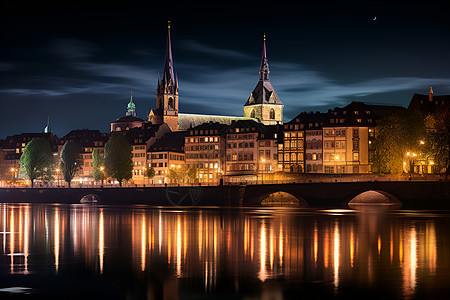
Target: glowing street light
x,y
13,174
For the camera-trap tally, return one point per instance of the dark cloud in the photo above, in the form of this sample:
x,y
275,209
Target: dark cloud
x,y
78,63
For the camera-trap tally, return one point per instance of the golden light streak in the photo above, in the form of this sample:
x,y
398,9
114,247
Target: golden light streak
x,y
25,250
413,258
280,250
101,241
143,244
178,246
56,242
20,228
326,249
159,231
391,246
379,244
271,247
262,253
316,243
336,255
246,233
200,235
12,239
432,247
352,247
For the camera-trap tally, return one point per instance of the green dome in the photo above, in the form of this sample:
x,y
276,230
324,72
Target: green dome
x,y
131,104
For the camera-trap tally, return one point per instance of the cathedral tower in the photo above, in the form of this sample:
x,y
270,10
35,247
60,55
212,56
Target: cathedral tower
x,y
263,103
166,93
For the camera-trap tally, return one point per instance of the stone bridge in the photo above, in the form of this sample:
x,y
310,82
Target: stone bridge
x,y
424,195
412,195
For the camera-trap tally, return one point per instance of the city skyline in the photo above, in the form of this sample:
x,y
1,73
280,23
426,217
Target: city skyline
x,y
70,71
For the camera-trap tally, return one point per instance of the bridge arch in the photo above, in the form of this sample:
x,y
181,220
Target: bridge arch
x,y
375,198
280,198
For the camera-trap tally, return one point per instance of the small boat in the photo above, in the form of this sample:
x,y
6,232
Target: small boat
x,y
90,199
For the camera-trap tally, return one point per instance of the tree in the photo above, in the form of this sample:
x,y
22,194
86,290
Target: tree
x,y
438,139
118,158
397,142
36,159
150,173
192,174
71,161
98,166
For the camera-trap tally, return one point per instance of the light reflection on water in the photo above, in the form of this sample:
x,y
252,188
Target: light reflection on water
x,y
252,251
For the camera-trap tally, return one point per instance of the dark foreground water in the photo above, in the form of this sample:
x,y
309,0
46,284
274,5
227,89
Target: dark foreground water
x,y
105,252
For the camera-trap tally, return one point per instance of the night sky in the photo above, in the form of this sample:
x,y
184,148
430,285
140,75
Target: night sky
x,y
77,62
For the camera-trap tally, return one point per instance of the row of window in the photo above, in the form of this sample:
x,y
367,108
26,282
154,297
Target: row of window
x,y
202,147
201,132
313,156
292,157
293,134
177,157
293,144
240,136
241,167
240,157
214,139
142,154
240,145
201,155
314,144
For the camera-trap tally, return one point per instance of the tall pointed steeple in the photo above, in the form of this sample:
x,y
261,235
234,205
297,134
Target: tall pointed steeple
x,y
264,69
167,92
168,62
430,95
263,103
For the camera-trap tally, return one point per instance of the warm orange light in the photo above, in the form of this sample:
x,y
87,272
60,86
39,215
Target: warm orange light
x,y
422,142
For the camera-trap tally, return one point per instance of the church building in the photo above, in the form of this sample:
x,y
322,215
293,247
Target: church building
x,y
263,103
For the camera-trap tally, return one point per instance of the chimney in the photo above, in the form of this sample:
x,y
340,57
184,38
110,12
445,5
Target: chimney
x,y
430,96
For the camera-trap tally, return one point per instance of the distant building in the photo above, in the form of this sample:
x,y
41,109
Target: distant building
x,y
129,121
141,139
205,150
166,153
88,141
13,146
426,104
264,103
251,150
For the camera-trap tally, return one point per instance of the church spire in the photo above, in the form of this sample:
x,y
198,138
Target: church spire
x,y
430,95
168,63
47,128
131,107
264,69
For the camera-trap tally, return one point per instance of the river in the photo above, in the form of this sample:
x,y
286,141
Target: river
x,y
141,252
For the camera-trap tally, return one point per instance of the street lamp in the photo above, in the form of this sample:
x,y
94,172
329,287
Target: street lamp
x,y
57,176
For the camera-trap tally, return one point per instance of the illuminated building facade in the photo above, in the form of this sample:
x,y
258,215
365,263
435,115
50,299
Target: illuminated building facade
x,y
88,140
13,146
140,139
165,154
251,150
205,150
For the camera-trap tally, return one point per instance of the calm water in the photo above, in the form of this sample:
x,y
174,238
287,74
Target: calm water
x,y
99,252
